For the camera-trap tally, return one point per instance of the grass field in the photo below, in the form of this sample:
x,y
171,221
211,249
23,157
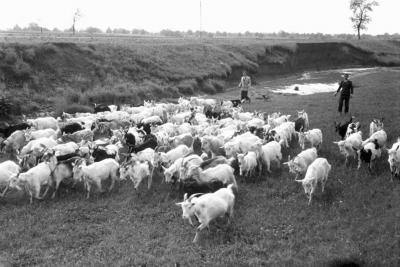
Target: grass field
x,y
357,217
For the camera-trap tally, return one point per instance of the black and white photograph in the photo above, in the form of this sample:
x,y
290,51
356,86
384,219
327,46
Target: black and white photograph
x,y
200,133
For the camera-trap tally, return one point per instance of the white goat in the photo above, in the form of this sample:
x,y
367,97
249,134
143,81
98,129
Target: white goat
x,y
172,170
8,169
314,137
350,146
300,163
271,152
380,136
35,178
275,122
375,126
96,172
137,171
221,172
43,123
208,207
318,171
49,132
172,155
242,144
247,163
15,142
394,159
38,145
64,149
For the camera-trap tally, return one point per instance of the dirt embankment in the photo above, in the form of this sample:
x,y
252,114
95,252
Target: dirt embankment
x,y
281,60
67,76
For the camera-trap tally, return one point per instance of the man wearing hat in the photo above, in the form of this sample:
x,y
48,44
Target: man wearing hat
x,y
346,87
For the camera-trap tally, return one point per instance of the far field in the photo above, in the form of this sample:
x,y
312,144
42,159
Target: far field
x,y
357,217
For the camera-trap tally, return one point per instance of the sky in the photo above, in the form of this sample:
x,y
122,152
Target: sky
x,y
301,16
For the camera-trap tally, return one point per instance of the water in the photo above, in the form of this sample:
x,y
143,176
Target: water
x,y
315,82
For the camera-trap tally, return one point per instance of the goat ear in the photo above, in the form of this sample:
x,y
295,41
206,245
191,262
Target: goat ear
x,y
336,142
179,204
286,163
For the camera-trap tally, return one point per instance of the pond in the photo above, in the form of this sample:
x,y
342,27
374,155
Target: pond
x,y
313,82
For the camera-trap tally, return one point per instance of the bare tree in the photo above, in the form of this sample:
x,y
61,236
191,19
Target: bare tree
x,y
75,18
360,17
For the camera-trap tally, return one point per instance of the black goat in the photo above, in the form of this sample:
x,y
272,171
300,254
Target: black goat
x,y
71,128
192,186
341,129
101,108
66,157
197,146
299,124
236,102
100,154
10,129
150,141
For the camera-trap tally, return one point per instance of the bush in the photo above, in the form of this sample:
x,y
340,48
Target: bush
x,y
218,85
208,87
29,54
22,70
187,87
10,56
5,106
74,108
61,105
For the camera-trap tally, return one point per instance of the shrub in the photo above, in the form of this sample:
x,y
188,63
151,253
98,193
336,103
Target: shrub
x,y
10,56
5,106
208,87
74,108
29,54
22,70
30,107
187,87
218,85
153,87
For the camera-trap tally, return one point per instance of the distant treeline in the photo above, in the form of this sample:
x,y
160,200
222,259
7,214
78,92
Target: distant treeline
x,y
35,27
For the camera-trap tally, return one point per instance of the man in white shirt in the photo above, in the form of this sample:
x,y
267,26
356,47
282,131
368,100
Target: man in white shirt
x,y
245,84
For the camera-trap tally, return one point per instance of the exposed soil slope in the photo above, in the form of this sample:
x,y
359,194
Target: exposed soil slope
x,y
48,75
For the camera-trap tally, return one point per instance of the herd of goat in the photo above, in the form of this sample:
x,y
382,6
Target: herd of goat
x,y
200,144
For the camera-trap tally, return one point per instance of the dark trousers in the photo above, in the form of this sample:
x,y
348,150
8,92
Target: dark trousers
x,y
244,95
346,100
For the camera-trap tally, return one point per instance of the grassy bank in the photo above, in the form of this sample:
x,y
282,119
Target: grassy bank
x,y
357,217
70,74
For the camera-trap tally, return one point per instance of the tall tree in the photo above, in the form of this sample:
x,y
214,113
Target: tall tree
x,y
75,18
360,17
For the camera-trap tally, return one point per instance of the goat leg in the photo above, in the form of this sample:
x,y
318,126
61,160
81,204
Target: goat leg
x,y
7,186
56,189
88,191
201,227
112,185
45,192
